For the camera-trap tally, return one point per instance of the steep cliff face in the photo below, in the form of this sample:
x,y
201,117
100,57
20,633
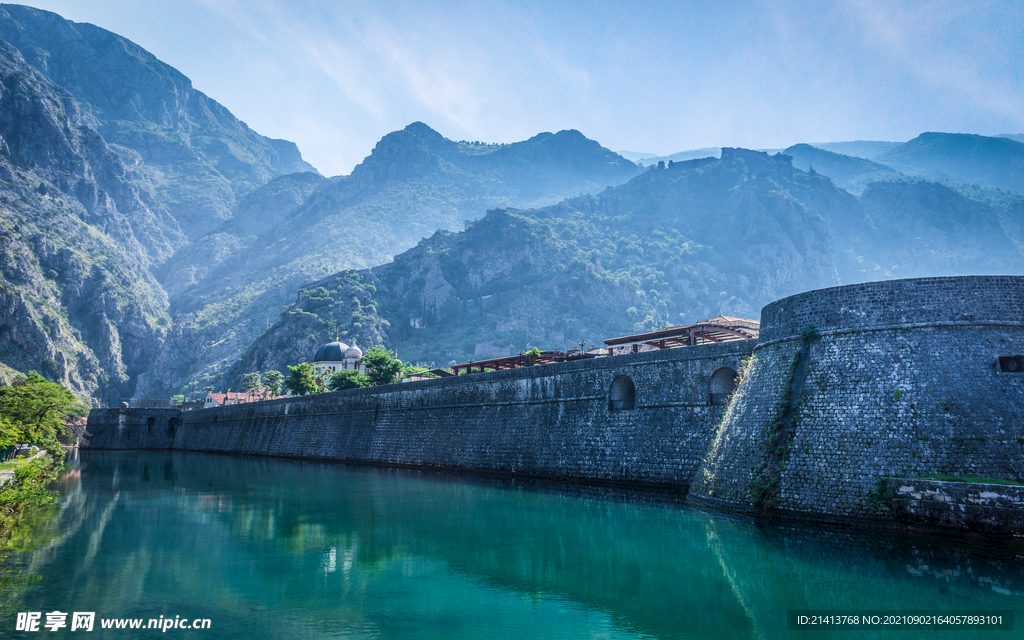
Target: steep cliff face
x,y
112,162
191,154
76,242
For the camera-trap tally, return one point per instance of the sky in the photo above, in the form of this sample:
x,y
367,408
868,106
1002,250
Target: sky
x,y
654,77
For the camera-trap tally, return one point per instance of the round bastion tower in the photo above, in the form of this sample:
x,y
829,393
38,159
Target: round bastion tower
x,y
853,384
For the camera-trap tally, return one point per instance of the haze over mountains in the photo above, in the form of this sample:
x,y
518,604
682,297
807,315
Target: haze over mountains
x,y
145,228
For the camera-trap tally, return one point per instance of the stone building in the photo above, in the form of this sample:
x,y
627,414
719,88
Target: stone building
x,y
337,356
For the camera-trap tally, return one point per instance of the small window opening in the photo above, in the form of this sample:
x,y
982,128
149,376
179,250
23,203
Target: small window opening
x,y
1011,364
150,421
723,384
172,426
622,394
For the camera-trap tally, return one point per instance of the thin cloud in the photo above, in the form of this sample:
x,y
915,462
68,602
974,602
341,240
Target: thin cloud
x,y
907,34
436,80
240,15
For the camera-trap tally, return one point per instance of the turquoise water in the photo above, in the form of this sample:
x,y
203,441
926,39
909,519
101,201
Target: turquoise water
x,y
269,548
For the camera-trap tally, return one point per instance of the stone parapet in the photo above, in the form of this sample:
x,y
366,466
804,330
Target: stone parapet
x,y
892,304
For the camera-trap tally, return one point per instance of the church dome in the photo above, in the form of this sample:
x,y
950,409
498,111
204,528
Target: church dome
x,y
354,352
332,352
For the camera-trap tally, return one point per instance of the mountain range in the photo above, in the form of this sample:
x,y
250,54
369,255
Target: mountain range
x,y
674,245
149,239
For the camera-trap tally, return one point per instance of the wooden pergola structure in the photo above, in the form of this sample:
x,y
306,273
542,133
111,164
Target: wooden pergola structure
x,y
713,330
717,329
520,360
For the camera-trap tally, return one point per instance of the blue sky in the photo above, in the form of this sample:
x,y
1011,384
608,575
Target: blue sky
x,y
656,77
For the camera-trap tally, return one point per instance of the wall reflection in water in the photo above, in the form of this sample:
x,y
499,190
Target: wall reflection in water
x,y
282,549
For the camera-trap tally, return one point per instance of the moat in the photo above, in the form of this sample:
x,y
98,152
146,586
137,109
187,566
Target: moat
x,y
269,548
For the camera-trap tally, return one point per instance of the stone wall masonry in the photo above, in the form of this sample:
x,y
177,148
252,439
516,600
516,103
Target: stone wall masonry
x,y
918,302
846,386
885,393
969,506
550,421
132,428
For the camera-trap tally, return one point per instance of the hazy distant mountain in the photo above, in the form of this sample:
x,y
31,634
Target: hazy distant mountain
x,y
633,156
961,157
228,286
856,174
923,228
670,246
867,149
850,173
188,151
682,156
673,245
1019,137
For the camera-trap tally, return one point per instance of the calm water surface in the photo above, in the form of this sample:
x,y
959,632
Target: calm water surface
x,y
279,549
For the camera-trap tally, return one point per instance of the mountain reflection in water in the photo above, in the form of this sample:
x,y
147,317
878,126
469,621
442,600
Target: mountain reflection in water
x,y
269,548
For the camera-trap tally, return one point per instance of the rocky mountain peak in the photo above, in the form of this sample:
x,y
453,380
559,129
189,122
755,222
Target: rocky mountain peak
x,y
400,155
429,137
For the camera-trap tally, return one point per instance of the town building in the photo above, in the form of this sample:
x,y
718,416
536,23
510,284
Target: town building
x,y
337,356
236,397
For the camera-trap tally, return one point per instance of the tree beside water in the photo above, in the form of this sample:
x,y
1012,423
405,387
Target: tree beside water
x,y
33,411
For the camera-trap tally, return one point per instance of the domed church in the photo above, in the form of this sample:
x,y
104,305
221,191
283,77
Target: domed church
x,y
337,356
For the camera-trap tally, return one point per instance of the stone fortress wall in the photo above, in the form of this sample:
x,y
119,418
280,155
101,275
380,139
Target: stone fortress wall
x,y
848,390
849,385
553,421
133,428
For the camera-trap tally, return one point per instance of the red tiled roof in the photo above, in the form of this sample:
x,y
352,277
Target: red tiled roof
x,y
238,397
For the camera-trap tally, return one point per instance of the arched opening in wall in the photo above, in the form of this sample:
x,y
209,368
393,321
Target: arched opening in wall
x,y
1011,364
723,384
150,421
172,425
622,394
